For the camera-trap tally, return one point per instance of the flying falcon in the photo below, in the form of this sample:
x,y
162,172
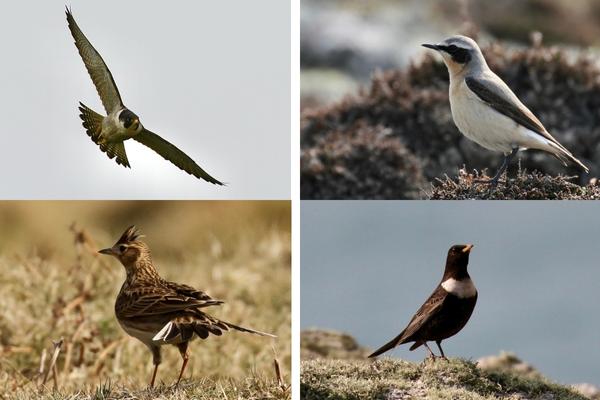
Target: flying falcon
x,y
120,124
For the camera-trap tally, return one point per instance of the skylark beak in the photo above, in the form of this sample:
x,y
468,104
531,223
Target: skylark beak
x,y
467,248
108,251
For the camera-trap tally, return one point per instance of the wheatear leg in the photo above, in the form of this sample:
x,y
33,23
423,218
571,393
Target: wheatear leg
x,y
184,355
494,181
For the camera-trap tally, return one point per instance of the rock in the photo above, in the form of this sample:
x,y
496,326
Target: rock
x,y
318,343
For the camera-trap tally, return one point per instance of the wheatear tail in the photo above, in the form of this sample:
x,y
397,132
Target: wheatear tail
x,y
565,156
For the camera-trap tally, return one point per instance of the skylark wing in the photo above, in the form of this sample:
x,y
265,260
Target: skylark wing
x,y
99,72
144,302
171,153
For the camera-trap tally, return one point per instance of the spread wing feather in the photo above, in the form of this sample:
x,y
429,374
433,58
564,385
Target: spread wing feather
x,y
99,72
171,153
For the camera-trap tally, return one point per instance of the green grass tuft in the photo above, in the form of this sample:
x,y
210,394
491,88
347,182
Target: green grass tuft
x,y
397,379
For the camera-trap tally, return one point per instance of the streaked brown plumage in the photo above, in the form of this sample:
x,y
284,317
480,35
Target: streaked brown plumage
x,y
159,312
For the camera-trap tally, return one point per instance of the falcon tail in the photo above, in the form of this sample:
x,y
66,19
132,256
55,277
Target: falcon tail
x,y
92,122
183,329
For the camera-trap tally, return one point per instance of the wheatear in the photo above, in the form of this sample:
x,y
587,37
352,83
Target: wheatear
x,y
486,111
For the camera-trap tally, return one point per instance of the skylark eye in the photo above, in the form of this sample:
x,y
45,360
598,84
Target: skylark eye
x,y
122,248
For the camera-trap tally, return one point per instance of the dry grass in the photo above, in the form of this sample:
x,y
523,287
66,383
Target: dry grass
x,y
56,288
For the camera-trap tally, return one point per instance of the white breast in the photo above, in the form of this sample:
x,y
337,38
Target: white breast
x,y
463,288
488,127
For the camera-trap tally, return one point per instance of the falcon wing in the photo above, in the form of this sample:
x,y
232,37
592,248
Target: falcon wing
x,y
101,76
171,153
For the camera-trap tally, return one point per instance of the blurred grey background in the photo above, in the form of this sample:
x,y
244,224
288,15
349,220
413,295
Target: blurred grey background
x,y
368,265
344,41
213,78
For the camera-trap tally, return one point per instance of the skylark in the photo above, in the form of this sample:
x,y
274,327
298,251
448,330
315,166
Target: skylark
x,y
158,312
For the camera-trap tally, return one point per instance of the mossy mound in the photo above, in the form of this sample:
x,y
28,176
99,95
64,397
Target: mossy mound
x,y
525,186
396,379
397,132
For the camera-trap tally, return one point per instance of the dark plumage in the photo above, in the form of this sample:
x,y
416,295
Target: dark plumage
x,y
446,311
159,312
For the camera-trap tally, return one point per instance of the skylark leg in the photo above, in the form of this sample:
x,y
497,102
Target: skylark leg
x,y
154,375
184,355
156,359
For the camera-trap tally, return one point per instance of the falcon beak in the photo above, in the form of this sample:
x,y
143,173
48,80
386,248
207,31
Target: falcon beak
x,y
431,46
467,248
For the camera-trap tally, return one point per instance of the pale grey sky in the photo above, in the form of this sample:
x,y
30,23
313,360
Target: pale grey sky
x,y
367,266
211,77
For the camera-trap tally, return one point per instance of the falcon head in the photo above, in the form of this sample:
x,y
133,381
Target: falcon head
x,y
129,120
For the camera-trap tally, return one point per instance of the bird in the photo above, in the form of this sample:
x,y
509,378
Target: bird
x,y
120,124
486,110
159,312
446,311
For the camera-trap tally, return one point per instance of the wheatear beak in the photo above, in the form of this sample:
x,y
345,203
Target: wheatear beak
x,y
431,46
467,248
108,251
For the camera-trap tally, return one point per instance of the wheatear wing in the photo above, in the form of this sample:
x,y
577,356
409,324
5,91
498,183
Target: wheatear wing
x,y
495,93
99,72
